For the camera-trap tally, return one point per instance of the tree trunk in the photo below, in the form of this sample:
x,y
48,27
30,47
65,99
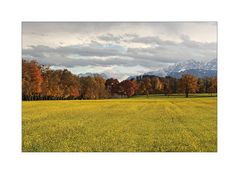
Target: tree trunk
x,y
186,94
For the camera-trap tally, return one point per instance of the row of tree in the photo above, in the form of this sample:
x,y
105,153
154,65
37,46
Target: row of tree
x,y
145,85
42,83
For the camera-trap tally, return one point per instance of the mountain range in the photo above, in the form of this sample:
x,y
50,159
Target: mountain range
x,y
194,67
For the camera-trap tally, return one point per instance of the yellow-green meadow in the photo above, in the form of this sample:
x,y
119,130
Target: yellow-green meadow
x,y
138,124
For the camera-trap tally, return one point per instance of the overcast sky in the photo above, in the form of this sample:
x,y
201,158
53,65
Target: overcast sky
x,y
118,49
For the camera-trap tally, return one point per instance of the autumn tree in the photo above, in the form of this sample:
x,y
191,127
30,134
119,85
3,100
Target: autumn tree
x,y
148,85
36,78
167,90
135,86
26,80
31,80
127,87
45,84
201,85
206,84
93,87
100,87
88,86
188,84
213,85
111,85
51,87
141,88
56,86
70,85
157,85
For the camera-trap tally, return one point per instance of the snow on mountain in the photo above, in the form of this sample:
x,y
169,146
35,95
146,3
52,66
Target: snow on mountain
x,y
196,72
194,67
193,64
211,65
185,65
197,68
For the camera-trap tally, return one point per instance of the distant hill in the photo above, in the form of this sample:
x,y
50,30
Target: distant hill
x,y
197,68
105,76
196,72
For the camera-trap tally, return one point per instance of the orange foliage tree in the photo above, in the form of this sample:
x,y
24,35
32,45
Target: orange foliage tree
x,y
188,84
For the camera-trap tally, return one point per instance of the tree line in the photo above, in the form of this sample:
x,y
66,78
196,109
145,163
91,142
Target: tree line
x,y
42,83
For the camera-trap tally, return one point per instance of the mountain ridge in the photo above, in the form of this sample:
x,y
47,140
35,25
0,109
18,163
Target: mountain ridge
x,y
191,66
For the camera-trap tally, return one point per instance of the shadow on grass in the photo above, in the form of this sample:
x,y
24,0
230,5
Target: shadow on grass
x,y
154,96
195,96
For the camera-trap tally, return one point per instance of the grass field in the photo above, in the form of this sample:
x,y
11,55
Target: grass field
x,y
140,124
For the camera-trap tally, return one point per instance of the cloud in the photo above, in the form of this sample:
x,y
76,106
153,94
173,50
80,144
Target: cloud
x,y
169,51
96,53
125,44
65,27
152,40
110,37
199,31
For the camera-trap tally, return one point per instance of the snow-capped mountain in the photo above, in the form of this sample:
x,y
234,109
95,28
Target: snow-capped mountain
x,y
197,68
192,64
196,72
185,65
194,67
211,65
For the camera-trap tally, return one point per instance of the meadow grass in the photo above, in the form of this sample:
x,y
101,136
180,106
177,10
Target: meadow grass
x,y
138,124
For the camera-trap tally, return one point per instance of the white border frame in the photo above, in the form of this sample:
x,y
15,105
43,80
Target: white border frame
x,y
14,161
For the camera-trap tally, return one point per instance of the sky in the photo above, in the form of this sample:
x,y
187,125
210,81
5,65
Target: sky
x,y
118,49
